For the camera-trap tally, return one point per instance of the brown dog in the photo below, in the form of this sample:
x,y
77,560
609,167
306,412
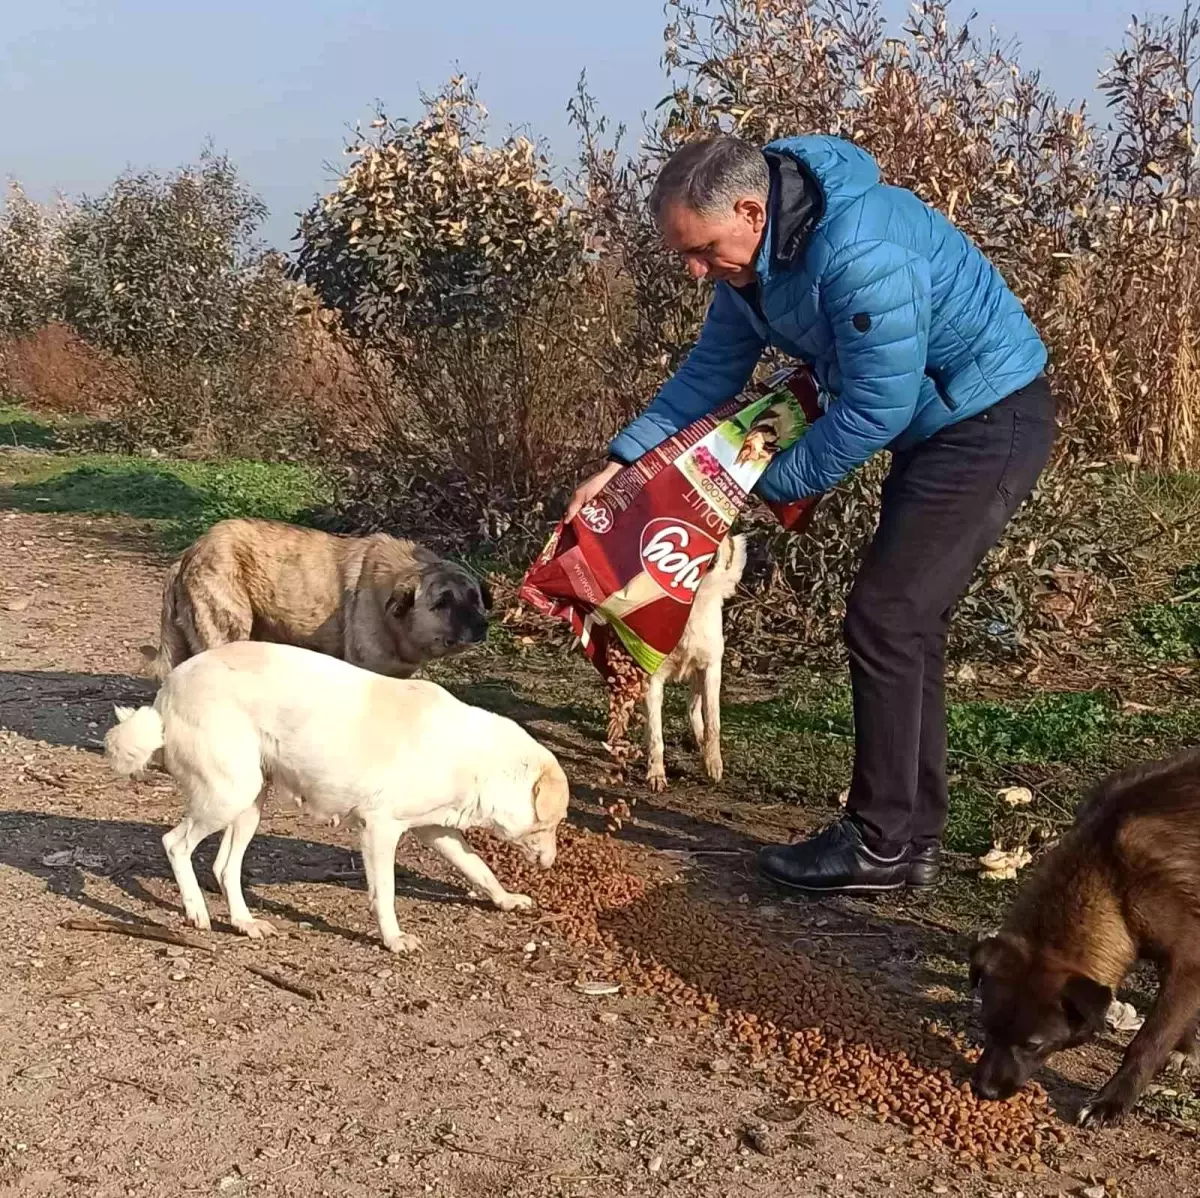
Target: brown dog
x,y
1123,886
384,604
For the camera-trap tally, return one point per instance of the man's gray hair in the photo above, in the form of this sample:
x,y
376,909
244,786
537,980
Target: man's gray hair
x,y
708,177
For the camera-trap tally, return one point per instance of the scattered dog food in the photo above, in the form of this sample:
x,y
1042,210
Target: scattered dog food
x,y
818,1032
626,682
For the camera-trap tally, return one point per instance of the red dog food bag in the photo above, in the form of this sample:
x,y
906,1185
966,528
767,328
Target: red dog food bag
x,y
628,566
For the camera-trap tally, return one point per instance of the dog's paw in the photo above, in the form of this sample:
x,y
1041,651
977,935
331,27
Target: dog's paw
x,y
256,929
404,943
199,920
515,902
656,781
1102,1111
713,767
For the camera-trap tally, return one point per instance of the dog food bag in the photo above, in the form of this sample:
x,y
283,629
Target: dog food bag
x,y
625,570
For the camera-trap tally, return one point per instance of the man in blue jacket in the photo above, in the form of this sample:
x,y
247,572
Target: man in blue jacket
x,y
924,351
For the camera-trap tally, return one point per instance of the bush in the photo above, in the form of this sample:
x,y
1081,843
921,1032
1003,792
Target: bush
x,y
476,326
168,266
30,263
430,227
54,370
154,304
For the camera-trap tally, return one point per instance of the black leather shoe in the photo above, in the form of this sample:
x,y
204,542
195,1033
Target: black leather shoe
x,y
834,861
924,864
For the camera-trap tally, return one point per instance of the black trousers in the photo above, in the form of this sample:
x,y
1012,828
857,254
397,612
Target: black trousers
x,y
945,504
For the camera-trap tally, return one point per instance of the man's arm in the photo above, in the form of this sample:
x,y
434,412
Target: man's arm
x,y
718,367
876,296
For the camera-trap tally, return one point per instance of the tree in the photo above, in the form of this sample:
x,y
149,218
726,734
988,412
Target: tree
x,y
169,265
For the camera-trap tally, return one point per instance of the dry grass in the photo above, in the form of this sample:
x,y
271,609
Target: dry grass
x,y
54,370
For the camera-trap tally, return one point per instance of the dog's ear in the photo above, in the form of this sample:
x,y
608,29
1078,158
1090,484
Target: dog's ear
x,y
1086,1003
996,954
485,593
550,795
737,561
400,601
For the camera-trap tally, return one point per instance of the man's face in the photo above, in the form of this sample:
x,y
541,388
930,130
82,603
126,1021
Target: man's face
x,y
723,247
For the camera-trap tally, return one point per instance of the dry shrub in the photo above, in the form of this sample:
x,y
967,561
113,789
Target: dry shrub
x,y
481,340
153,305
476,436
275,404
54,370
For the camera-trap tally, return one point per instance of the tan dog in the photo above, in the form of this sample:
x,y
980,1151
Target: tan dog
x,y
696,660
343,742
385,604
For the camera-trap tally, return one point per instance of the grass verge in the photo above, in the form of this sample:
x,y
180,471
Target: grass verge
x,y
180,498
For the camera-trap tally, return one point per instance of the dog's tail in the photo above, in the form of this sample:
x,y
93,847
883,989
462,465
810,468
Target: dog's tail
x,y
172,645
137,736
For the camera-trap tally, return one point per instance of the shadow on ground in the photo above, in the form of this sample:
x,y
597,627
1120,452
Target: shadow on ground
x,y
129,853
59,708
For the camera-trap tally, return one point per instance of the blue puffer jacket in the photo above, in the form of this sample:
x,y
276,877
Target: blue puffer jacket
x,y
906,324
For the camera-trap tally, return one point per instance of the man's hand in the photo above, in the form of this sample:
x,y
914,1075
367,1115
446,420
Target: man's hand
x,y
590,488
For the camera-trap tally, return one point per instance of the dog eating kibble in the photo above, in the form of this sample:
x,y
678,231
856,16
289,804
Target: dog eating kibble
x,y
1122,885
391,754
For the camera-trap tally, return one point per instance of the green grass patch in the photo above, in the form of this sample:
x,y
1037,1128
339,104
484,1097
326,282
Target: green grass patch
x,y
22,429
972,818
1167,631
1052,727
1171,631
182,498
799,748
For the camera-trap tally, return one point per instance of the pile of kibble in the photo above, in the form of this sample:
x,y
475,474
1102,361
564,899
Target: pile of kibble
x,y
824,1033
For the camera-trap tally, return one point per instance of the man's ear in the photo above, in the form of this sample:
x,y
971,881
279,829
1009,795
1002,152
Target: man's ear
x,y
400,601
1086,1003
753,210
996,954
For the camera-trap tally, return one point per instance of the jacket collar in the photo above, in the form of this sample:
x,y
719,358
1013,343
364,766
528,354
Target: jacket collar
x,y
795,206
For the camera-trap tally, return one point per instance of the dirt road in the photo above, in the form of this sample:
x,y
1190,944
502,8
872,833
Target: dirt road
x,y
476,1068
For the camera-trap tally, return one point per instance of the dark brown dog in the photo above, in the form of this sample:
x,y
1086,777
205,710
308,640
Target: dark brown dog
x,y
385,604
1123,886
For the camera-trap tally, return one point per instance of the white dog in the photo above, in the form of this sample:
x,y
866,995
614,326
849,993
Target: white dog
x,y
697,661
343,742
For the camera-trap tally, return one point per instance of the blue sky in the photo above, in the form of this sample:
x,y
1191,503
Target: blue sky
x,y
90,88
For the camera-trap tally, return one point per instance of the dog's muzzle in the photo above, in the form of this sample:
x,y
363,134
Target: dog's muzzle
x,y
996,1076
477,632
541,855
